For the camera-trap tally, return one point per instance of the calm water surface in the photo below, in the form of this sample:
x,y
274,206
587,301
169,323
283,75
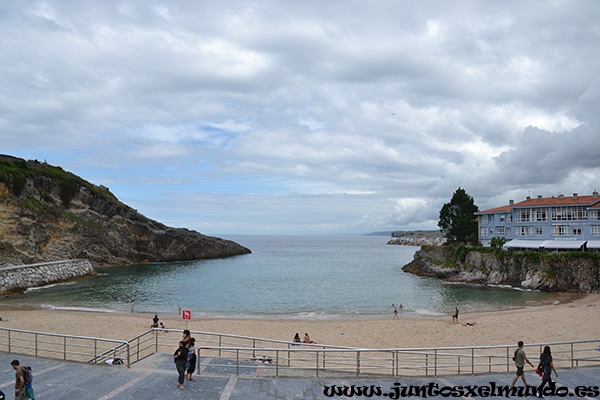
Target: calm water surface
x,y
316,277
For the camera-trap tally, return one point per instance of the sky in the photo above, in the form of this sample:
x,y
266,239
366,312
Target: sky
x,y
305,117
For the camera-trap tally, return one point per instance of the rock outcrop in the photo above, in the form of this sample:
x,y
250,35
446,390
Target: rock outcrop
x,y
565,272
48,214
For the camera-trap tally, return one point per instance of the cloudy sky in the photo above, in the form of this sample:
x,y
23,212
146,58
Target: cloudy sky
x,y
305,117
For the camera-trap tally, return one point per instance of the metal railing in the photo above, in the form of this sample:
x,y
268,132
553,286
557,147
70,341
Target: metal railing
x,y
65,347
228,354
396,362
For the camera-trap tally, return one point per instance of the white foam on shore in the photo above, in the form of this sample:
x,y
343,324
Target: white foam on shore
x,y
31,289
75,308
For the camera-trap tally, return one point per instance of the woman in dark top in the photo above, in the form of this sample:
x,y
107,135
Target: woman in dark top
x,y
180,357
548,367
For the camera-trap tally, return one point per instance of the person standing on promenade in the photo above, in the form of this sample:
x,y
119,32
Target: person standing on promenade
x,y
23,388
180,357
395,312
547,366
191,359
520,359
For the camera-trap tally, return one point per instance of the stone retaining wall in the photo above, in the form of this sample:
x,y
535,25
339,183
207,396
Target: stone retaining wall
x,y
20,277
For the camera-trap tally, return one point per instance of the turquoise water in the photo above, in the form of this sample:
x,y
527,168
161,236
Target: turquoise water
x,y
314,277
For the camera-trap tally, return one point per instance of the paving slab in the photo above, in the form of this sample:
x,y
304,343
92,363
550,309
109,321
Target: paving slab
x,y
156,378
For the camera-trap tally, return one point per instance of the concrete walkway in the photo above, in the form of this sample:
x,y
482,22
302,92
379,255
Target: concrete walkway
x,y
156,378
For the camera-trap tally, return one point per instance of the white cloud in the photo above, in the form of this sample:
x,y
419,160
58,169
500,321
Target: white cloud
x,y
314,116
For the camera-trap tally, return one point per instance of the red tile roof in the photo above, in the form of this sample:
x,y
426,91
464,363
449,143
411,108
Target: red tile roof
x,y
549,201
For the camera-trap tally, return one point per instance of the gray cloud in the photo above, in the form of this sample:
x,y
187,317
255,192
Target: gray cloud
x,y
342,116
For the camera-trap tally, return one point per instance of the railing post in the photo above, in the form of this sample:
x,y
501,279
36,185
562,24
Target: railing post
x,y
36,344
289,354
426,364
65,348
128,356
237,362
490,364
317,363
459,365
397,363
357,363
199,370
572,355
96,350
324,354
277,363
507,361
254,348
9,341
473,361
220,341
435,363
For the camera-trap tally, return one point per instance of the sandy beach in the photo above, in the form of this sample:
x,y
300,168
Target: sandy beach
x,y
576,317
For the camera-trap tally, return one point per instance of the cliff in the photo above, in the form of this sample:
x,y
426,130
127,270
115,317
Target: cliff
x,y
48,214
565,272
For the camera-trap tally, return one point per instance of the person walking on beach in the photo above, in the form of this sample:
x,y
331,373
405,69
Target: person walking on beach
x,y
23,388
132,305
547,366
520,359
180,357
455,316
395,312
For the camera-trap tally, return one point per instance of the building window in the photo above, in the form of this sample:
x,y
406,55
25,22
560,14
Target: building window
x,y
541,214
572,213
523,215
502,218
484,219
595,230
483,232
576,231
524,230
595,215
499,231
538,231
509,218
508,231
561,230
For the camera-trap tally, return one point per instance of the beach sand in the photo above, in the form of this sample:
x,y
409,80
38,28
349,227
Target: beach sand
x,y
574,317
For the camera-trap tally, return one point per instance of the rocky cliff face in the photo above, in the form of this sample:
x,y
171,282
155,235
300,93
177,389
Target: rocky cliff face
x,y
563,272
47,214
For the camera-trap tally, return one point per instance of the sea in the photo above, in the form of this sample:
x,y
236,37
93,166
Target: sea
x,y
314,277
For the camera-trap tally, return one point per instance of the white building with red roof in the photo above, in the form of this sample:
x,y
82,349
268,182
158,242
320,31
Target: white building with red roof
x,y
545,223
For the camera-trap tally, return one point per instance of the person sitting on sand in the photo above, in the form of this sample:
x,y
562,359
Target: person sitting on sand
x,y
307,338
296,338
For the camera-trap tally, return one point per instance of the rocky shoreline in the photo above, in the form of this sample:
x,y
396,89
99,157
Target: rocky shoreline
x,y
547,272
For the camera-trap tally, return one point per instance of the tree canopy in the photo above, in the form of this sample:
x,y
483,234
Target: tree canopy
x,y
457,218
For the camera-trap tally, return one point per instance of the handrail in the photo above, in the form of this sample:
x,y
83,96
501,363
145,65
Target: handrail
x,y
412,361
71,347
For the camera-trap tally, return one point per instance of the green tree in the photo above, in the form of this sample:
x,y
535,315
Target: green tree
x,y
457,218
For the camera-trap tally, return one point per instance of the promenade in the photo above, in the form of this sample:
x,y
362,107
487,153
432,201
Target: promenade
x,y
156,378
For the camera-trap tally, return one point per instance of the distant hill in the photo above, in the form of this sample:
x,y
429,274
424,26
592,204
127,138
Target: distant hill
x,y
48,214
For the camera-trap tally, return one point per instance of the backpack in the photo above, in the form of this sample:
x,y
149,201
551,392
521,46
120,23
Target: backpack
x,y
515,355
27,376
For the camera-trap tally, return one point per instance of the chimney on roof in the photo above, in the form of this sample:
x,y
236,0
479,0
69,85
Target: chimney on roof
x,y
539,197
595,194
575,196
511,202
528,197
561,196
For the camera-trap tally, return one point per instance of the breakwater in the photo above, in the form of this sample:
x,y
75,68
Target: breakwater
x,y
20,277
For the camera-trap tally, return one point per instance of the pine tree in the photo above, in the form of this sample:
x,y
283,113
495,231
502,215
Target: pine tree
x,y
457,218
